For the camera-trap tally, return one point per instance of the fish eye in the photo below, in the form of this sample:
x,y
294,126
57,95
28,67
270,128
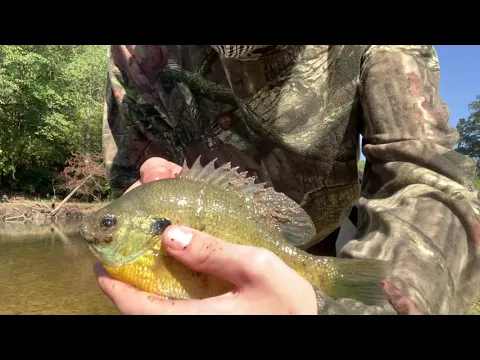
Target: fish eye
x,y
108,221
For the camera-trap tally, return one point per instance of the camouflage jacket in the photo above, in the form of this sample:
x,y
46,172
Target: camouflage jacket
x,y
292,115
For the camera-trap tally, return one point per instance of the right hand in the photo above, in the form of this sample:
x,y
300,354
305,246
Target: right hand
x,y
263,283
259,275
155,168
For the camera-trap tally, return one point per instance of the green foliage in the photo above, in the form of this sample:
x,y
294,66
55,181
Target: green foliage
x,y
469,130
476,183
51,105
361,165
33,181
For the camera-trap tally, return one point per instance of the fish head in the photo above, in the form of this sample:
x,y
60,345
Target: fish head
x,y
119,237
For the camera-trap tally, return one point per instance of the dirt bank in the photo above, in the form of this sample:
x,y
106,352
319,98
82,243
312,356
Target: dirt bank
x,y
20,211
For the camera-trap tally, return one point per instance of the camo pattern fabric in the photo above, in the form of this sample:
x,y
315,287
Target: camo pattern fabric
x,y
292,116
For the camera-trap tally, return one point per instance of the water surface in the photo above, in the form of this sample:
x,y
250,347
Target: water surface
x,y
47,269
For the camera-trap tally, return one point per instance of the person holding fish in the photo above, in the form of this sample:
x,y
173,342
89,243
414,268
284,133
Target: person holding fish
x,y
235,164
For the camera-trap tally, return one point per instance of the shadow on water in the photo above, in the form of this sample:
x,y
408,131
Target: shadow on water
x,y
45,268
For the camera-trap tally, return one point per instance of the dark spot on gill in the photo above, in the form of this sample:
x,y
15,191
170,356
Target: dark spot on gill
x,y
158,226
202,227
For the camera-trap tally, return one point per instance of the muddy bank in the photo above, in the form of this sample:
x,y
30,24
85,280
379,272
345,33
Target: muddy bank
x,y
40,211
33,229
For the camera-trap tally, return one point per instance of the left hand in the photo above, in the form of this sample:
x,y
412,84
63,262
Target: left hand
x,y
264,284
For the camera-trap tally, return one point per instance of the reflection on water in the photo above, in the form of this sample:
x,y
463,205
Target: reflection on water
x,y
47,269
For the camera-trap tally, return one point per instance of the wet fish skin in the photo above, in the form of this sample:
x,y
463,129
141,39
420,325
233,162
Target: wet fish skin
x,y
226,205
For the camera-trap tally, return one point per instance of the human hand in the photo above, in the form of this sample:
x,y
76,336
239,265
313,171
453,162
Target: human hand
x,y
263,283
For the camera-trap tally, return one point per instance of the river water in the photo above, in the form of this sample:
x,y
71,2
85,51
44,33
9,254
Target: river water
x,y
47,269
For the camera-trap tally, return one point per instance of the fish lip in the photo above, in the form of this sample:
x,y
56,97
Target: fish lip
x,y
87,237
96,250
83,230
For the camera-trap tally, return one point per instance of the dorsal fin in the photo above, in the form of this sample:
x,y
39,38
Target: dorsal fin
x,y
272,208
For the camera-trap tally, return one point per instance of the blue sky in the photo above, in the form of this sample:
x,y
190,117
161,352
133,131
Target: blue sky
x,y
459,78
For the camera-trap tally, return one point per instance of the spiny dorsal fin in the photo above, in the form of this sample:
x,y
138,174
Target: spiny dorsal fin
x,y
275,209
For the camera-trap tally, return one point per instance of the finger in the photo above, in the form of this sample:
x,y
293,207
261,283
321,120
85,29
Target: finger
x,y
133,186
127,298
207,254
153,169
399,300
158,174
157,168
131,301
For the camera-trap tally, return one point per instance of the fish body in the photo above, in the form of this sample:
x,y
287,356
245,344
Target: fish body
x,y
126,235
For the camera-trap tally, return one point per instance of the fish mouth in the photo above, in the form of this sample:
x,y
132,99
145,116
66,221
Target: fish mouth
x,y
83,230
88,235
104,254
85,233
111,254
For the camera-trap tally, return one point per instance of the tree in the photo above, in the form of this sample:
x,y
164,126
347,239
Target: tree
x,y
469,130
51,101
87,173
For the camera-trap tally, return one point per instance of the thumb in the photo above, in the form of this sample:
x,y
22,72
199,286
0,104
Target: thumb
x,y
209,255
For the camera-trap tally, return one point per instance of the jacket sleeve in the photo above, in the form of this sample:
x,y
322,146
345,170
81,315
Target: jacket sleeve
x,y
418,209
134,125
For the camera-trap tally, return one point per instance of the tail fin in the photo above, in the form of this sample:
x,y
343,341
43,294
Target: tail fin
x,y
360,280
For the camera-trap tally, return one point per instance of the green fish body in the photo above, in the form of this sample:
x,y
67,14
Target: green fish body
x,y
126,235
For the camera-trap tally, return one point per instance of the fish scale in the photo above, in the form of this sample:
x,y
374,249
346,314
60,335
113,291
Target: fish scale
x,y
230,206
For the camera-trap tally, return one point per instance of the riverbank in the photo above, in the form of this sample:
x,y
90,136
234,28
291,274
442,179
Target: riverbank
x,y
41,210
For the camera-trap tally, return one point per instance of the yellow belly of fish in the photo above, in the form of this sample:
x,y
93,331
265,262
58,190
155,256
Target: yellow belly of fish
x,y
156,272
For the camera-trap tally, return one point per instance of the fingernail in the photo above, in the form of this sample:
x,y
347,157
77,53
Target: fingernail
x,y
179,238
